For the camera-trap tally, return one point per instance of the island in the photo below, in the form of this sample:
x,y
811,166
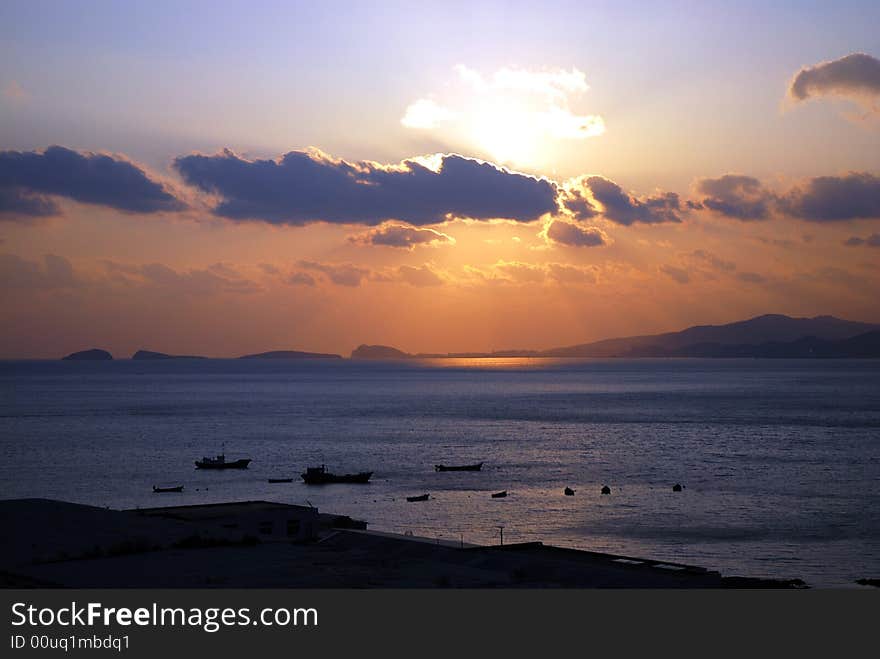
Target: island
x,y
364,351
94,355
290,354
149,354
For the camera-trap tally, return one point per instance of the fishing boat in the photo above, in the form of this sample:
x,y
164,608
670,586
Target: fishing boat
x,y
320,476
421,497
220,462
163,490
500,495
475,467
280,480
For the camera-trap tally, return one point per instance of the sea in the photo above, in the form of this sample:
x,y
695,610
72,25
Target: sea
x,y
779,459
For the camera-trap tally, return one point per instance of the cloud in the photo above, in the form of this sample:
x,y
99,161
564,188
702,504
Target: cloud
x,y
419,276
55,272
301,279
678,274
426,114
616,204
855,76
509,114
17,204
399,235
344,274
215,279
834,198
521,273
304,187
26,178
572,235
735,195
713,261
871,241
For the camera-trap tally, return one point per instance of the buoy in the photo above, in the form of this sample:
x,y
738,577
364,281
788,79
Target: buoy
x,y
676,488
606,489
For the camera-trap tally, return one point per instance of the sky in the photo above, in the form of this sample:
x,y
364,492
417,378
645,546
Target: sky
x,y
222,178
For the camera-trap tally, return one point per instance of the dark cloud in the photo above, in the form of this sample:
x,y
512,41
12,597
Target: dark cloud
x,y
398,235
28,178
734,195
305,187
16,204
856,75
343,274
834,198
566,233
623,208
871,241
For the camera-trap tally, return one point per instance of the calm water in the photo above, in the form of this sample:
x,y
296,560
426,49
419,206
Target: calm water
x,y
780,459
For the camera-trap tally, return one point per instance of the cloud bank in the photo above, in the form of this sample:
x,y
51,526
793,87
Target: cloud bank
x,y
304,187
29,180
580,197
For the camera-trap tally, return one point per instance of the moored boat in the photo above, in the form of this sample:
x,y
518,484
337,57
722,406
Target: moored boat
x,y
220,462
320,476
473,467
163,490
421,497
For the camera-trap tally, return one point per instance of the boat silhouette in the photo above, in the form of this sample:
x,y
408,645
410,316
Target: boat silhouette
x,y
421,497
320,476
219,462
474,467
163,490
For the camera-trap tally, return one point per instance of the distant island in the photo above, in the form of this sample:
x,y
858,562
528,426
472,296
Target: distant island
x,y
149,354
766,337
769,336
290,354
95,354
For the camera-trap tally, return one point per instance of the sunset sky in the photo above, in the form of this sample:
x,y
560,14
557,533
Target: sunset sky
x,y
221,178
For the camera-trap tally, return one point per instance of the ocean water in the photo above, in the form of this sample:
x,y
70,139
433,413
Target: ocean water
x,y
780,459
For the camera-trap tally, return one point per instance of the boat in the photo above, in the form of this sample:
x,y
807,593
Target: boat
x,y
163,490
421,497
280,480
220,462
568,492
475,467
320,476
606,489
500,495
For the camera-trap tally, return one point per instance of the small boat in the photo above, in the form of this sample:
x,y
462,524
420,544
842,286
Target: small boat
x,y
568,492
421,497
677,487
280,480
606,489
163,490
475,467
220,462
500,495
320,476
